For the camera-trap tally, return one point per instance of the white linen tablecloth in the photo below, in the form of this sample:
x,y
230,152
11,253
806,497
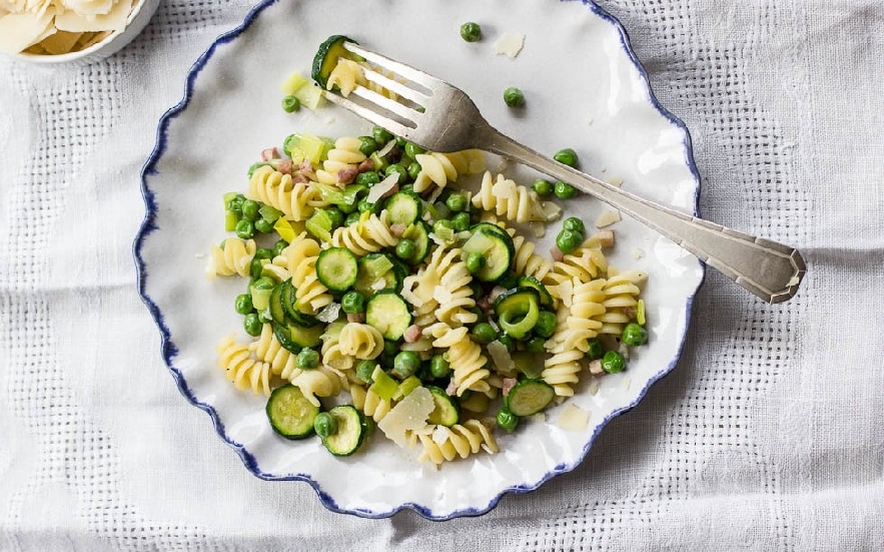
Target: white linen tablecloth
x,y
767,435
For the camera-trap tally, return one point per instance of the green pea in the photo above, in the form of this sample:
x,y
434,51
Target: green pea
x,y
367,178
456,203
399,170
243,304
563,190
513,97
256,268
634,335
250,210
471,32
406,364
414,169
542,187
367,145
546,324
566,156
442,227
263,226
413,150
507,342
235,204
264,317
352,218
308,359
507,420
264,283
278,247
365,369
252,324
536,345
484,333
406,249
400,141
613,362
574,224
353,302
364,205
475,261
291,104
460,222
245,229
264,253
325,425
596,350
439,367
381,135
568,241
337,216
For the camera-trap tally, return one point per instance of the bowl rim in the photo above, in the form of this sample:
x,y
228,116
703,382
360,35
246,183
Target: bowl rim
x,y
53,59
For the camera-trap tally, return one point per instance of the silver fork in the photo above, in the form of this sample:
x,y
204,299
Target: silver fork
x,y
439,117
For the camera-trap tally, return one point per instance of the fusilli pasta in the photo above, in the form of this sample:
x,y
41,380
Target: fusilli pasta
x,y
369,235
441,444
469,365
342,163
505,198
295,199
441,168
361,341
233,256
241,368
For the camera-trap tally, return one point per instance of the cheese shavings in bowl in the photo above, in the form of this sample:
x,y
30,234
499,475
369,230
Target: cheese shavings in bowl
x,y
58,31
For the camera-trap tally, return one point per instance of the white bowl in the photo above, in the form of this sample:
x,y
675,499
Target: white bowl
x,y
135,23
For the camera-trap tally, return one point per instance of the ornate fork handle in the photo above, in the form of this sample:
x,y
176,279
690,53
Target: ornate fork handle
x,y
768,269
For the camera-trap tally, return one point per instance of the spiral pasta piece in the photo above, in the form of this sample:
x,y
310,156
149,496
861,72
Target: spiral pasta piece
x,y
561,370
331,352
370,403
361,341
527,262
346,74
587,306
620,300
453,292
233,256
369,235
320,382
295,199
241,368
442,444
301,248
342,162
441,168
584,264
268,349
506,198
311,294
468,364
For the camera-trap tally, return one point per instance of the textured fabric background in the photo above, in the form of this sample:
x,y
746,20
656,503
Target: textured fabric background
x,y
767,436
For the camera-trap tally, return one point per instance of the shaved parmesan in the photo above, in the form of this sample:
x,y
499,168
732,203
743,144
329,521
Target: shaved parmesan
x,y
607,219
410,414
19,31
510,44
501,357
114,19
573,418
378,190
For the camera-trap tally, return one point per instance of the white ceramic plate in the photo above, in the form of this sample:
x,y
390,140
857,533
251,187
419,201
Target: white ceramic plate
x,y
584,90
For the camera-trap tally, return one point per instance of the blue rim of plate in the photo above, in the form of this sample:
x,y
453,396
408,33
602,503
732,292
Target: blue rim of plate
x,y
169,350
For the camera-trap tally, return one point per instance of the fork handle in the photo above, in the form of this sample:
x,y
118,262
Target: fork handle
x,y
768,269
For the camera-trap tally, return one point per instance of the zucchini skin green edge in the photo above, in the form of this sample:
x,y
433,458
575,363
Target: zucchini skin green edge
x,y
169,350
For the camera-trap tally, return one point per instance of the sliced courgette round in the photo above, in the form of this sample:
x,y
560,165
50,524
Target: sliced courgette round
x,y
349,431
419,233
291,415
528,281
529,396
446,411
388,312
377,271
495,245
327,56
517,311
404,208
289,297
277,310
337,268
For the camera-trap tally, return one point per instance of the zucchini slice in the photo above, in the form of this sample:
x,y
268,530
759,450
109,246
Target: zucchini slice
x,y
348,433
294,338
404,208
517,311
529,396
327,56
289,299
446,411
419,233
291,415
495,245
277,311
546,299
337,268
388,312
375,268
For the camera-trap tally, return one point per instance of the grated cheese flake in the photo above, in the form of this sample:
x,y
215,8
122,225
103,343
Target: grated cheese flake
x,y
510,44
573,418
607,219
409,414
